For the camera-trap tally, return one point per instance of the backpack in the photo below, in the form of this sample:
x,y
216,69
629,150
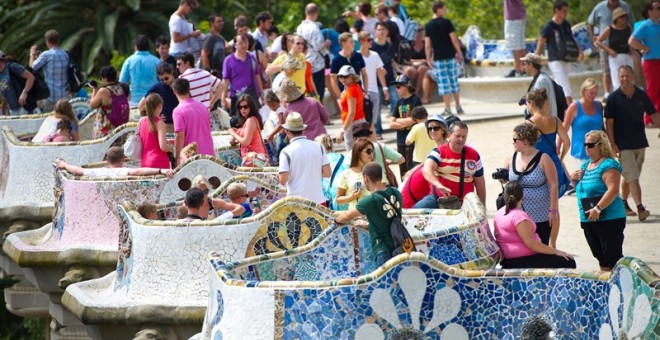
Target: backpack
x,y
75,75
38,91
560,97
403,242
120,110
404,52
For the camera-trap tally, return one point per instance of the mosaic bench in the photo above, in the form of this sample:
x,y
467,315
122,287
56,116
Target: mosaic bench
x,y
413,296
30,124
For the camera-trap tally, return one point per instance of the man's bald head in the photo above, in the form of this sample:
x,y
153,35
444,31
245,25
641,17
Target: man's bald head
x,y
311,9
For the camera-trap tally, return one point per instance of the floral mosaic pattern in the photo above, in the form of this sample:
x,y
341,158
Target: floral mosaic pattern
x,y
125,260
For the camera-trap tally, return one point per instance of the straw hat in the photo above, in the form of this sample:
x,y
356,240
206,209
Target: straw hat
x,y
294,122
617,13
288,91
532,58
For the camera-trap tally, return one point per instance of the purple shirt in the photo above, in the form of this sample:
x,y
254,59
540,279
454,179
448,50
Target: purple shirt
x,y
514,10
313,114
240,73
192,117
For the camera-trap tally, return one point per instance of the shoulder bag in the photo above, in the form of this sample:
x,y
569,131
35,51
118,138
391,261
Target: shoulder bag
x,y
391,177
133,145
453,202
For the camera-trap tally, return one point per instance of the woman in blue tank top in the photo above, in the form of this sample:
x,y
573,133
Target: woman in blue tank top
x,y
583,116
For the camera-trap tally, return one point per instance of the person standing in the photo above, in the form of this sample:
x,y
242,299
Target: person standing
x,y
597,183
240,75
204,87
602,17
303,163
514,33
645,40
214,47
164,89
317,46
380,208
184,38
351,103
111,101
191,121
583,115
55,63
153,135
532,65
264,22
617,50
443,53
313,112
347,56
554,36
624,121
402,120
375,74
13,89
442,169
163,52
139,70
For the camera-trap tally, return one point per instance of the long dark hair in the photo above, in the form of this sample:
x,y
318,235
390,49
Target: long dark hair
x,y
254,110
359,145
513,193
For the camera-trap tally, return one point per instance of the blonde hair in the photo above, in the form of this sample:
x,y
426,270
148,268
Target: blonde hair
x,y
200,180
364,35
146,209
326,141
344,37
588,84
64,108
181,212
600,136
151,103
236,190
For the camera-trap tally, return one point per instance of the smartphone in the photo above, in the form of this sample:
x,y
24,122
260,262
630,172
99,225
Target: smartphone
x,y
358,186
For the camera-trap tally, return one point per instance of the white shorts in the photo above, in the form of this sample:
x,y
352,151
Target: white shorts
x,y
514,34
560,71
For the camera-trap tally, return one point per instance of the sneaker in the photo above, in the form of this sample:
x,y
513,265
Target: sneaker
x,y
446,112
459,110
629,212
642,213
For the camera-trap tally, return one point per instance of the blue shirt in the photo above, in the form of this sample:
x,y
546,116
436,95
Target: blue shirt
x,y
592,185
9,92
139,70
169,99
649,34
333,36
55,63
583,123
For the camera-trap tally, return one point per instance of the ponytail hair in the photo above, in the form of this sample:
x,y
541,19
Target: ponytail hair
x,y
152,102
513,193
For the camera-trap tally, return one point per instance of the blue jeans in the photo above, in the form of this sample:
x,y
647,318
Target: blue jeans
x,y
381,258
428,202
319,82
375,98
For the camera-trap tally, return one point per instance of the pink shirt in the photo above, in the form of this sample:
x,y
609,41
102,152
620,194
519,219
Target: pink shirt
x,y
192,117
313,114
152,155
507,236
256,144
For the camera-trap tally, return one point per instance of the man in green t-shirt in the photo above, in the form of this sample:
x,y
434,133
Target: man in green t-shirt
x,y
380,208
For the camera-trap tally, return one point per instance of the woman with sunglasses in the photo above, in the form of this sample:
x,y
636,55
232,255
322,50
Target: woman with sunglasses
x,y
351,187
351,103
248,133
536,172
296,51
602,213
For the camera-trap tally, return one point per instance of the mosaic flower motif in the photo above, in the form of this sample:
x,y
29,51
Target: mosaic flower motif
x,y
288,235
391,206
413,282
626,325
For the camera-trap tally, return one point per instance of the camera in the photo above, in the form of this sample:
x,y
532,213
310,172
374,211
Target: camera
x,y
91,83
501,174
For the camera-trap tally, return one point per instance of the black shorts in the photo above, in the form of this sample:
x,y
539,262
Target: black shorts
x,y
539,261
605,238
543,230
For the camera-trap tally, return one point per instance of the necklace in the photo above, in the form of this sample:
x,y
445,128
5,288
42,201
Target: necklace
x,y
596,161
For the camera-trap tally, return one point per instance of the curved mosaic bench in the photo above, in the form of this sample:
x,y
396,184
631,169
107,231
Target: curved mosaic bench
x,y
30,124
415,296
26,180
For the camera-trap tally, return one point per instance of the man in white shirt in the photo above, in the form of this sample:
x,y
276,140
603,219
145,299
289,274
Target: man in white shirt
x,y
375,74
303,163
115,159
317,46
184,39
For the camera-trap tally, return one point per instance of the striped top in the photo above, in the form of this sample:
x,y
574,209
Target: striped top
x,y
201,84
449,168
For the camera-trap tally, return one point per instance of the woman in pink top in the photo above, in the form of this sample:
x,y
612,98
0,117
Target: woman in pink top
x,y
248,133
515,232
153,135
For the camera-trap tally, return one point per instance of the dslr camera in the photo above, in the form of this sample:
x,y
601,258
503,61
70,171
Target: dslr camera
x,y
501,174
91,83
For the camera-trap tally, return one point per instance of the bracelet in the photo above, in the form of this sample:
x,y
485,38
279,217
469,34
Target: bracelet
x,y
553,211
385,89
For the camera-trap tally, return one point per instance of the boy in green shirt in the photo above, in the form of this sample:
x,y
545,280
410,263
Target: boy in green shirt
x,y
380,208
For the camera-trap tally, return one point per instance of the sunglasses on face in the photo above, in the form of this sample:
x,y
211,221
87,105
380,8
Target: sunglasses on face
x,y
434,128
165,78
241,107
342,77
590,145
368,151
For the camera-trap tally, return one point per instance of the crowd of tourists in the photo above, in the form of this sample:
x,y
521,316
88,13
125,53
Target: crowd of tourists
x,y
267,89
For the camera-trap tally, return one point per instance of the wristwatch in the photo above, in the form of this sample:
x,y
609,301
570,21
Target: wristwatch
x,y
598,209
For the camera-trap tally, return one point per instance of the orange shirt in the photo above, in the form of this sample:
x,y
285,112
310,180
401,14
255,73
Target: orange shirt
x,y
353,91
308,77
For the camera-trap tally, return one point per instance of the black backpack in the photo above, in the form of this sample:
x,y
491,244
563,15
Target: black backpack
x,y
76,77
404,52
560,97
38,91
403,242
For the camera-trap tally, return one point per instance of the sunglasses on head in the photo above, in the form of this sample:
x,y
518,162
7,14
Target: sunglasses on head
x,y
590,145
434,128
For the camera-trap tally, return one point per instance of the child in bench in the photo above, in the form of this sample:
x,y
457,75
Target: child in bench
x,y
419,137
239,207
63,133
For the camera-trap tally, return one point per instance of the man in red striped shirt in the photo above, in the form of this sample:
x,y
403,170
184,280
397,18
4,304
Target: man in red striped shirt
x,y
204,87
442,169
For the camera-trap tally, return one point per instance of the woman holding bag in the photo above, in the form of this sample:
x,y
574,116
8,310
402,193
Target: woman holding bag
x,y
602,214
248,133
153,135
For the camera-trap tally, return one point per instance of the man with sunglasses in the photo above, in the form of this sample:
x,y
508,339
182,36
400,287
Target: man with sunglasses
x,y
184,38
166,76
624,120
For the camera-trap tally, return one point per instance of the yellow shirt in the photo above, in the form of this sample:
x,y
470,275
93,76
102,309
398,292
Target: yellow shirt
x,y
299,76
347,181
423,143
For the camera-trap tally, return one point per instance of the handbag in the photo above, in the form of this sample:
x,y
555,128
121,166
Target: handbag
x,y
391,177
453,202
133,145
589,203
